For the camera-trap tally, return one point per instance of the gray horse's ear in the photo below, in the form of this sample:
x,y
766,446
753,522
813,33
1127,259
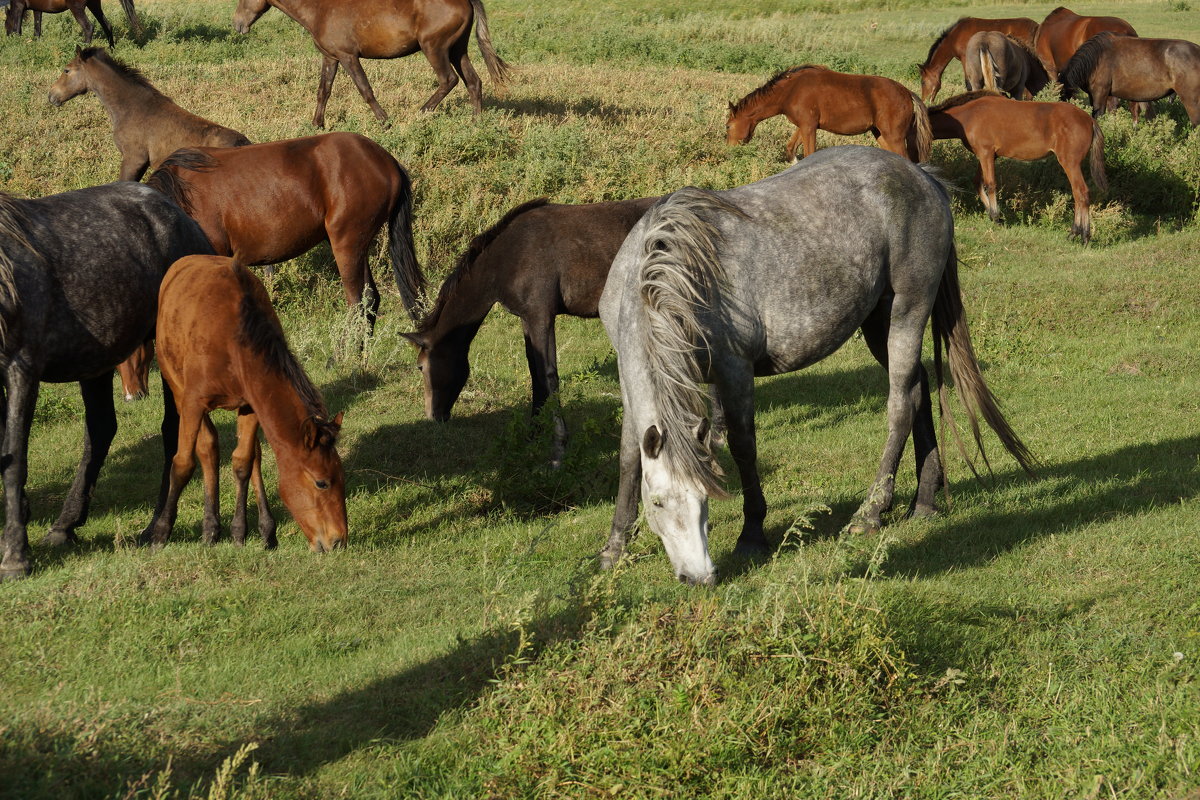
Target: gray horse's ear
x,y
702,430
652,442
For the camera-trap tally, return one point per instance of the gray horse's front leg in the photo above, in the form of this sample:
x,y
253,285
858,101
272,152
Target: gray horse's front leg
x,y
625,514
737,401
22,390
100,426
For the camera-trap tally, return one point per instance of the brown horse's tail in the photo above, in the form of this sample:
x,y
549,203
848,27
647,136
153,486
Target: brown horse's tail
x,y
409,278
1099,177
987,69
497,67
950,333
135,25
922,132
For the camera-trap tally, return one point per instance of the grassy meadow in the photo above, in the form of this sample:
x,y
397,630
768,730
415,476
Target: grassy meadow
x,y
1040,638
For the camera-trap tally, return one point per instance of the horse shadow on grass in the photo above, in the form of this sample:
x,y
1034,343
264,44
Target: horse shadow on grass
x,y
201,32
579,107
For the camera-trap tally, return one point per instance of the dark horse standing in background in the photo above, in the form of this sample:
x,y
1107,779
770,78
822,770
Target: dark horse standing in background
x,y
539,261
1135,69
79,278
952,44
347,30
14,21
1001,63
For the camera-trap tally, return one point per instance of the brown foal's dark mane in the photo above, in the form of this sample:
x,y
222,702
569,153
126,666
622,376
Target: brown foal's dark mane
x,y
465,261
174,185
770,86
937,42
1079,69
129,73
963,99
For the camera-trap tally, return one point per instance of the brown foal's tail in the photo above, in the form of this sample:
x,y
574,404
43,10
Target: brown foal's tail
x,y
497,67
950,333
987,69
922,131
409,278
135,25
1099,177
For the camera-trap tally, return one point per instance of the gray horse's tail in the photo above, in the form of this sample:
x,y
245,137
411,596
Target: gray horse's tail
x,y
135,25
1099,176
12,229
922,131
679,276
410,280
950,333
497,67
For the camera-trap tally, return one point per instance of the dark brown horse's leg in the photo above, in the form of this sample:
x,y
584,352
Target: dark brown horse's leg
x,y
98,13
626,511
37,24
354,68
133,166
1082,225
462,65
20,399
208,452
439,59
541,352
328,72
14,18
84,23
100,425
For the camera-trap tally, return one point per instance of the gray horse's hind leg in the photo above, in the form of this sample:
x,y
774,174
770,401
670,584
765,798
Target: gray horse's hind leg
x,y
100,423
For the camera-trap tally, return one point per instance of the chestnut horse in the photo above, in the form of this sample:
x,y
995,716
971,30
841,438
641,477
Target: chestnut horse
x,y
229,351
1135,69
952,43
15,18
147,125
347,30
1000,63
991,125
815,97
1062,32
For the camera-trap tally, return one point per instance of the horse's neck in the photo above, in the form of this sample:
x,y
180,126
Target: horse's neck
x,y
275,401
303,11
942,55
473,297
767,105
122,99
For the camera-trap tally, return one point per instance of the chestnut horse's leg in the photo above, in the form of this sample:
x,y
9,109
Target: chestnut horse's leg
x,y
541,352
438,56
208,451
182,465
462,65
328,72
1082,225
247,460
84,22
100,424
359,77
98,13
985,184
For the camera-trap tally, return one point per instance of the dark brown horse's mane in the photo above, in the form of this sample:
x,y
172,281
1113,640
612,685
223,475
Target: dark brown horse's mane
x,y
167,178
129,73
467,260
1079,69
963,99
941,38
766,88
260,331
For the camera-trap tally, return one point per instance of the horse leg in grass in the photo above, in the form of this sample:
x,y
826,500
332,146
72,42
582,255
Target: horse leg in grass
x,y
37,24
247,461
541,353
350,242
462,65
1082,223
98,13
737,400
439,59
100,426
352,66
21,398
182,465
208,452
329,69
628,488
985,184
86,24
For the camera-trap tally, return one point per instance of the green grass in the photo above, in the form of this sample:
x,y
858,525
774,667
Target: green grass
x,y
1038,639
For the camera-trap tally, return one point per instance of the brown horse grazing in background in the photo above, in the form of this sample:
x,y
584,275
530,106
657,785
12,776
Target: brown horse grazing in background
x,y
1135,69
147,125
15,18
347,30
539,261
813,97
952,44
1062,32
229,351
1000,63
991,125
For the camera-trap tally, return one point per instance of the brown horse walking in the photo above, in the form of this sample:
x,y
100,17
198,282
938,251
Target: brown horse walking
x,y
14,20
1001,63
539,261
991,125
229,351
147,125
347,30
813,97
1135,69
952,44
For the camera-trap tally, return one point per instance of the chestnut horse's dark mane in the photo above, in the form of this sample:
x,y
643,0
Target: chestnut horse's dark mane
x,y
1081,66
467,260
941,38
129,73
963,99
260,331
767,87
174,185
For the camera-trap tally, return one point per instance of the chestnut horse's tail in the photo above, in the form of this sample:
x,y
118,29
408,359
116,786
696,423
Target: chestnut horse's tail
x,y
1099,177
922,131
950,333
409,278
135,25
497,67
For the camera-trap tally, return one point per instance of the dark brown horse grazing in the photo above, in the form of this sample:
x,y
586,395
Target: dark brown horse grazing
x,y
1001,63
147,125
14,20
952,44
815,97
1135,69
229,351
991,125
1062,32
347,30
539,261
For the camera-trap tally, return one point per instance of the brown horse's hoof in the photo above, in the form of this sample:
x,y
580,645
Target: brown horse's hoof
x,y
923,512
59,537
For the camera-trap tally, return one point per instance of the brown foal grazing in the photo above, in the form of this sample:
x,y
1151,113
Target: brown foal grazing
x,y
15,19
952,44
1000,63
991,125
1135,69
147,125
347,30
813,97
229,351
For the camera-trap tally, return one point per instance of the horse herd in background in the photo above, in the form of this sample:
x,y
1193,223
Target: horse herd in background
x,y
670,277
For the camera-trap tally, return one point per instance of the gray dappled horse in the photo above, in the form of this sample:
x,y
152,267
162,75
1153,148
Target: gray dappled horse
x,y
79,277
769,278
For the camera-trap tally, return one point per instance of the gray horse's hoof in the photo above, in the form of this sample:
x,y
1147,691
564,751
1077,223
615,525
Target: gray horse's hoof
x,y
14,573
609,559
59,537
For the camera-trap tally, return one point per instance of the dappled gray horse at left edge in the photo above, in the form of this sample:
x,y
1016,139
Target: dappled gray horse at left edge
x,y
79,278
769,278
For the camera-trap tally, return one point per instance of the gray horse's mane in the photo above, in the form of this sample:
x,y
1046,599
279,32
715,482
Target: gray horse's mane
x,y
680,275
963,99
126,71
1081,66
770,85
12,232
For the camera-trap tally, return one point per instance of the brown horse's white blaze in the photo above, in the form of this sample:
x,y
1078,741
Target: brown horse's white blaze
x,y
230,352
